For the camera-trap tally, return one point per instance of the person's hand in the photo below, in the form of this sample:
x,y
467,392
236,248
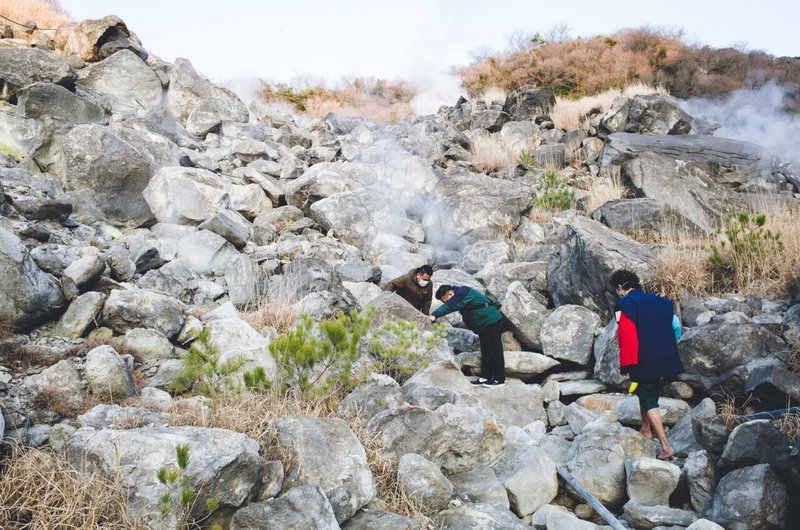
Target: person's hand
x,y
433,318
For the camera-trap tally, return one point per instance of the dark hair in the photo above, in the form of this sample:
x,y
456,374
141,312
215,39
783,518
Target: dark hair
x,y
624,278
425,269
442,290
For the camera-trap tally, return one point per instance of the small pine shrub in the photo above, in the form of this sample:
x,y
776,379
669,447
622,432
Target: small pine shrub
x,y
180,497
526,158
750,250
203,373
552,192
317,358
399,349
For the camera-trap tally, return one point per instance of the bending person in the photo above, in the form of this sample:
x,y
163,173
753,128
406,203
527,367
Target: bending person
x,y
414,287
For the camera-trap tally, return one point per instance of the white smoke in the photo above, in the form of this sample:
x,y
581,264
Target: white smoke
x,y
757,116
435,89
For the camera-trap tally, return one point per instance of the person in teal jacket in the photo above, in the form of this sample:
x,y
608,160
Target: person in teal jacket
x,y
481,316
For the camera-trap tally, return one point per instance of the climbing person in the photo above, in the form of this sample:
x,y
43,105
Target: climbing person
x,y
481,315
648,348
414,287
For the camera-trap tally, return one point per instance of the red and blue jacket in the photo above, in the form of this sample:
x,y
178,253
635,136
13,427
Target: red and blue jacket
x,y
648,347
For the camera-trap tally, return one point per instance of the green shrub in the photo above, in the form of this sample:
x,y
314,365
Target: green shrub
x,y
203,373
552,192
751,251
317,358
526,158
399,349
180,497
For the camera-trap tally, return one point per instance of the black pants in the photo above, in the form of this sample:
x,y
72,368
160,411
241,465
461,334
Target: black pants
x,y
493,364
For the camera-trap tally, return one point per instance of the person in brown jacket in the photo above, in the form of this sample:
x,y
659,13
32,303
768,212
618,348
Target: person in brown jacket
x,y
415,287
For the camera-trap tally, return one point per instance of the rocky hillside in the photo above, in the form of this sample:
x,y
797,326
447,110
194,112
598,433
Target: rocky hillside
x,y
172,263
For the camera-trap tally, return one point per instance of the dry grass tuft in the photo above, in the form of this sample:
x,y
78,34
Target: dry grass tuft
x,y
56,401
39,489
46,14
571,114
490,153
275,312
603,190
789,424
20,357
682,266
732,409
793,360
490,94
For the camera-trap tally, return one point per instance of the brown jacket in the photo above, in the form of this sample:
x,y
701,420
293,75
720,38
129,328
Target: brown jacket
x,y
408,288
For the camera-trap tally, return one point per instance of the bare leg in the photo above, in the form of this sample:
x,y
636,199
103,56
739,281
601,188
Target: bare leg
x,y
646,429
658,427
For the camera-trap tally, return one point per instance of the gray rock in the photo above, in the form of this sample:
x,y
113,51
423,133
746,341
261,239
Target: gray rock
x,y
205,252
644,215
85,271
484,515
523,365
44,209
107,374
93,40
80,315
528,102
223,465
529,477
339,465
148,344
20,67
491,119
28,293
237,340
184,195
581,387
197,103
348,214
119,261
704,524
588,252
651,481
551,155
726,354
61,381
379,393
554,516
681,437
526,315
125,80
116,417
755,442
646,114
229,224
320,181
751,497
358,271
647,517
249,200
423,483
245,281
568,334
302,508
126,310
485,255
48,99
597,460
157,399
173,279
373,519
606,355
701,474
479,484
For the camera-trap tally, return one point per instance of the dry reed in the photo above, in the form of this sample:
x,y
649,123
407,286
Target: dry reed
x,y
571,114
603,190
46,14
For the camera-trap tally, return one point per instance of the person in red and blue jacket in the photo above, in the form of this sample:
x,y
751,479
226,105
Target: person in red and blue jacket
x,y
648,348
484,318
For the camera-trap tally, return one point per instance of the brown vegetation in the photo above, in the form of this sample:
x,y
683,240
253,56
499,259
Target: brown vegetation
x,y
587,66
44,13
39,489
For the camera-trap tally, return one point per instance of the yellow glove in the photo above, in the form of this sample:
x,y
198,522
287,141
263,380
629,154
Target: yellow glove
x,y
633,387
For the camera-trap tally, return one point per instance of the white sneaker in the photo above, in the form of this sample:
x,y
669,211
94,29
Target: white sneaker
x,y
479,381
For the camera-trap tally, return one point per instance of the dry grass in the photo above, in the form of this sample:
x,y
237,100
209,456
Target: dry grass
x,y
603,190
275,312
20,357
731,410
40,490
789,424
571,114
46,14
490,94
490,153
684,262
793,360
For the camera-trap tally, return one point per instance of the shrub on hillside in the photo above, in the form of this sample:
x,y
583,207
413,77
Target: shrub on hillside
x,y
552,193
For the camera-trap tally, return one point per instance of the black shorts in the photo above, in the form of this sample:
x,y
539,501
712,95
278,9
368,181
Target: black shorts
x,y
647,392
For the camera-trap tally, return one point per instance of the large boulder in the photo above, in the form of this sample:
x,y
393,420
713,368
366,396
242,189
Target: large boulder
x,y
20,67
475,205
651,481
93,40
645,215
223,465
106,169
391,307
529,477
525,314
205,252
597,460
320,181
348,214
181,195
48,99
301,508
724,355
125,80
755,442
107,374
486,515
751,497
423,483
646,114
20,137
28,294
236,339
568,334
197,103
327,453
81,314
125,310
646,517
587,253
528,102
702,477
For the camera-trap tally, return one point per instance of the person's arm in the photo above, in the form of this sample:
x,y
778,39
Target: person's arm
x,y
426,307
444,309
628,338
676,327
394,285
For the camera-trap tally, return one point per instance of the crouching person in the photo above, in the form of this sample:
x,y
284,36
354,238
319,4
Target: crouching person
x,y
482,317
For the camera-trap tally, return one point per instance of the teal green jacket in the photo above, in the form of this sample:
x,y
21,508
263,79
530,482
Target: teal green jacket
x,y
476,310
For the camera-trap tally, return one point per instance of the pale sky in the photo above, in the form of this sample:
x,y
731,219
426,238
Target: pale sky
x,y
409,39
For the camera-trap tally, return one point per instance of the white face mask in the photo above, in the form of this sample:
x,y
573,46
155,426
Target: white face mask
x,y
422,283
